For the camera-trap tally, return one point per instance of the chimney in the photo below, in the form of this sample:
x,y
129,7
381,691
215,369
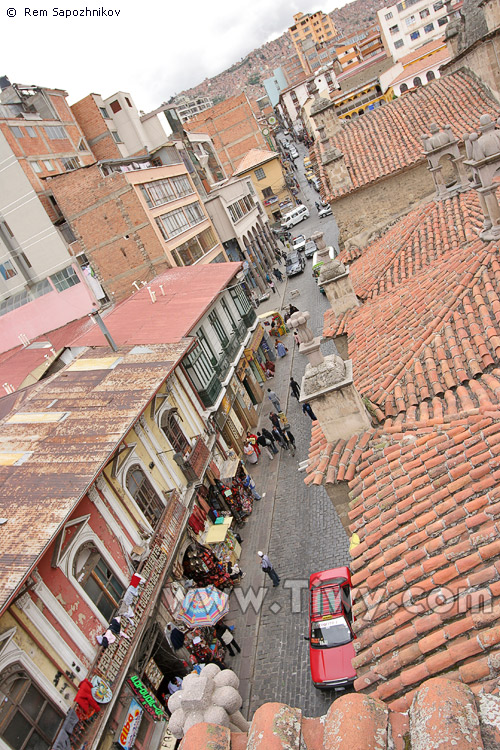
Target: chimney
x,y
440,143
335,280
328,384
483,156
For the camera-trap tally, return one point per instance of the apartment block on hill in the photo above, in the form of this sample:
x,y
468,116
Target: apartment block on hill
x,y
316,28
411,23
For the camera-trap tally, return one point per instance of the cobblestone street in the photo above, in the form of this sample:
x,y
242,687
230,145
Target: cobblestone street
x,y
295,524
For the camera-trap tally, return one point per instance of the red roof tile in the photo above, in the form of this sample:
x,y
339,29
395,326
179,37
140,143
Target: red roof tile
x,y
387,140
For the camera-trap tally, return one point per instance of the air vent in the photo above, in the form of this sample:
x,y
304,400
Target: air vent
x,y
14,459
40,345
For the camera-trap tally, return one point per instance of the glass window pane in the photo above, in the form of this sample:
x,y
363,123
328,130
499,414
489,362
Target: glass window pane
x,y
17,732
35,742
32,702
49,722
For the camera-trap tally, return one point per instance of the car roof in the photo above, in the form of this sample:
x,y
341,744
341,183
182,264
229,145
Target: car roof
x,y
328,575
293,256
325,601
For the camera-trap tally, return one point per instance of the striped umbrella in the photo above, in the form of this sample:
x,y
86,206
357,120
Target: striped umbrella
x,y
203,607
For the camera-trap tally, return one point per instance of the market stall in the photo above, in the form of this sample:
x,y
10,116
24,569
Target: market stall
x,y
222,540
274,323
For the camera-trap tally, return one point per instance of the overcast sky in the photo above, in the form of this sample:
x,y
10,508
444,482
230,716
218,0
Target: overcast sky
x,y
153,49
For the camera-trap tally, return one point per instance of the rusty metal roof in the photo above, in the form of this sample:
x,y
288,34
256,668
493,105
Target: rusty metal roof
x,y
46,467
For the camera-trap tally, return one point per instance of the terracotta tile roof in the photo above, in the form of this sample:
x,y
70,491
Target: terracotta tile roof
x,y
444,714
426,506
425,49
254,158
387,140
431,317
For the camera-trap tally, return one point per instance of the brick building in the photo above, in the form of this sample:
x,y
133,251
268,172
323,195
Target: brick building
x,y
132,220
233,128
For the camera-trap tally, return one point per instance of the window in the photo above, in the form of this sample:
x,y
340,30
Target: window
x,y
228,314
173,223
205,345
55,132
104,112
388,16
64,279
410,20
28,720
424,13
97,580
443,21
116,136
7,270
115,106
260,174
17,131
36,167
417,82
398,43
195,248
31,131
144,494
182,186
128,101
240,300
163,191
70,163
394,29
218,328
438,5
194,213
82,146
403,88
429,28
48,165
414,35
430,75
174,433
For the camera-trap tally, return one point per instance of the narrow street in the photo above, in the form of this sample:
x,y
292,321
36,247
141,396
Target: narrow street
x,y
296,525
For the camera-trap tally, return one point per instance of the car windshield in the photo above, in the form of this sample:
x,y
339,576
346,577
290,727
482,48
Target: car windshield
x,y
292,259
328,633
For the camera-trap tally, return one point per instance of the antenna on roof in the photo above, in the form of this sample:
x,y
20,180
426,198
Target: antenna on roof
x,y
9,388
161,287
136,284
152,295
24,339
100,322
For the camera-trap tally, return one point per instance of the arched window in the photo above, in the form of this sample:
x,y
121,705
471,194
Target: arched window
x,y
430,75
97,580
403,88
144,494
28,720
417,82
172,429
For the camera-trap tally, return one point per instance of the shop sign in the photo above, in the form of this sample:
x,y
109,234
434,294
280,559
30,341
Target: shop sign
x,y
257,338
270,201
147,701
248,354
101,692
168,742
226,405
131,726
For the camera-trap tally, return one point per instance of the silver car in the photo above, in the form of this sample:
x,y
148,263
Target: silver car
x,y
294,264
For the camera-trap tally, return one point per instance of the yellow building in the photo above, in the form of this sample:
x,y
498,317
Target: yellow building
x,y
268,179
316,27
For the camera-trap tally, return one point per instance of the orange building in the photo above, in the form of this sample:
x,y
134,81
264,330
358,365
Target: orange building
x,y
311,27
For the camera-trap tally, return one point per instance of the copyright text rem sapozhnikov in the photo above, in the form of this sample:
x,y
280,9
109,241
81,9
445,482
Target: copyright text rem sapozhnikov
x,y
72,12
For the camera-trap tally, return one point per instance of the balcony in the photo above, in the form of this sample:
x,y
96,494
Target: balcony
x,y
249,318
195,463
209,394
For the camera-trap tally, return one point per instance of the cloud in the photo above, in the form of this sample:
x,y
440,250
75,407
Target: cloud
x,y
151,49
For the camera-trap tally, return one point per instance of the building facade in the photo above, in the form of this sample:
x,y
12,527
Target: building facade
x,y
132,220
233,128
292,99
317,28
411,23
269,181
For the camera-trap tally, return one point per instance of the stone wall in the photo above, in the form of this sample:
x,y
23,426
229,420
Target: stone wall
x,y
482,59
379,203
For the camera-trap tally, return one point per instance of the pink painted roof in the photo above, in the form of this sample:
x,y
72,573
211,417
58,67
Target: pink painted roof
x,y
188,293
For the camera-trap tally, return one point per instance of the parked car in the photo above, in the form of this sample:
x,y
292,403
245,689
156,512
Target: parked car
x,y
293,152
316,184
309,175
294,264
310,248
299,213
298,242
331,636
325,211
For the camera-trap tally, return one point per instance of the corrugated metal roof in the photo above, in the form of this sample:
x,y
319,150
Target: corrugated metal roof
x,y
187,295
37,496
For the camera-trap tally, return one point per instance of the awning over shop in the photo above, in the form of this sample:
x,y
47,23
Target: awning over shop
x,y
229,469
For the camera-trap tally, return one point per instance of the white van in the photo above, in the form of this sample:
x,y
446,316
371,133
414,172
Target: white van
x,y
291,218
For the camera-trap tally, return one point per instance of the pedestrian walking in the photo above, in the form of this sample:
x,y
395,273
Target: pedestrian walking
x,y
295,388
290,438
307,409
275,420
273,398
296,338
252,439
317,205
283,255
249,484
269,436
271,286
225,637
250,453
280,438
265,564
278,257
281,349
277,273
265,445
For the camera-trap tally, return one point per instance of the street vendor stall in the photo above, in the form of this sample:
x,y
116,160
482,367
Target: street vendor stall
x,y
222,540
274,323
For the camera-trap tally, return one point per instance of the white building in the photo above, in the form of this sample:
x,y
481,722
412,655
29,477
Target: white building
x,y
411,23
293,98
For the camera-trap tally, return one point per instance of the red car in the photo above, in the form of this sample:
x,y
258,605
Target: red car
x,y
331,647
